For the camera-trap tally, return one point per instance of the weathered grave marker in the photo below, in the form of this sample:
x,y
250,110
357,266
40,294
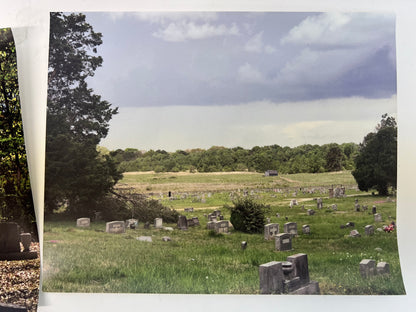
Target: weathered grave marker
x,y
158,223
271,278
115,227
319,203
211,225
283,242
291,228
221,227
306,229
374,210
182,223
367,268
189,209
144,239
270,230
369,230
132,223
300,265
10,243
357,207
83,222
355,233
383,268
378,218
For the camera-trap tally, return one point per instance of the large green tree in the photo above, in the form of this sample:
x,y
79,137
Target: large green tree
x,y
15,193
77,119
376,163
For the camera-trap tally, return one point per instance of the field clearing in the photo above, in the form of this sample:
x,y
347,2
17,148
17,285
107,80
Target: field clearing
x,y
198,261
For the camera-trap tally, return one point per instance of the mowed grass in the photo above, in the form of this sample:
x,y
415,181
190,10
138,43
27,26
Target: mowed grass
x,y
197,261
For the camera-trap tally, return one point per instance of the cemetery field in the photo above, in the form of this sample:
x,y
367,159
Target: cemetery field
x,y
200,261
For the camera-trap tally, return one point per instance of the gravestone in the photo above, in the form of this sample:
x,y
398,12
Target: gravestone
x,y
195,221
331,193
355,233
365,207
182,223
306,229
267,220
166,239
217,213
9,237
334,207
221,227
211,225
271,278
270,230
300,265
283,242
158,223
351,224
291,228
189,209
367,268
26,239
319,203
357,207
144,239
115,227
369,230
310,212
374,210
10,243
83,222
378,218
383,268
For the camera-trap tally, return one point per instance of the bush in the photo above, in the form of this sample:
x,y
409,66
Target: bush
x,y
148,210
247,215
113,208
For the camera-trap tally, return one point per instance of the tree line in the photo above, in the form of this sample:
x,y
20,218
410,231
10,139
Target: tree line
x,y
302,159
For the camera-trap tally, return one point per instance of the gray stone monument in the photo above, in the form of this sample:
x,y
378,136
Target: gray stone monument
x,y
291,228
283,242
10,243
158,223
132,223
310,212
211,225
300,265
383,268
319,203
83,222
182,223
271,278
367,268
306,229
270,230
115,227
369,230
378,218
221,227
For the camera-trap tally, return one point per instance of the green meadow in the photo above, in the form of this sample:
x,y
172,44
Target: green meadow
x,y
199,261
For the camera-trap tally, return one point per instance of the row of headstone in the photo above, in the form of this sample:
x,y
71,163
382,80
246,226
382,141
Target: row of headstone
x,y
369,268
10,241
287,277
189,209
337,192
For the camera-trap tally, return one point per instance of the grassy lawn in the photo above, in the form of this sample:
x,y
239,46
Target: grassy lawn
x,y
197,261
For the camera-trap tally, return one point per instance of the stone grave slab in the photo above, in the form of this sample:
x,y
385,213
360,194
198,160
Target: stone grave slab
x,y
115,227
83,222
144,239
270,230
271,278
291,228
283,242
383,268
182,223
306,229
369,230
300,265
221,227
378,218
158,223
367,268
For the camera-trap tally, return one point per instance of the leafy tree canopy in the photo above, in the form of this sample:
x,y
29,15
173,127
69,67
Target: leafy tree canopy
x,y
376,163
77,119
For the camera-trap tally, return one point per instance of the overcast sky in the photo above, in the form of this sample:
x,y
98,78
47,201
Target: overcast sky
x,y
194,80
